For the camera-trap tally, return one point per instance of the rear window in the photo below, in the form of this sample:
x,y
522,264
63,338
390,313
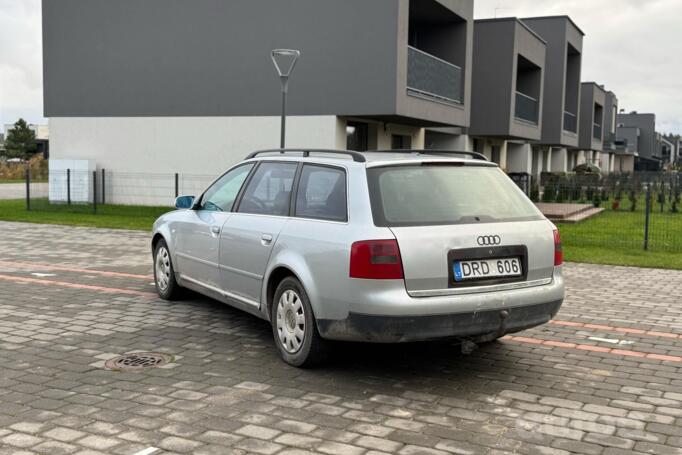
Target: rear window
x,y
433,194
322,193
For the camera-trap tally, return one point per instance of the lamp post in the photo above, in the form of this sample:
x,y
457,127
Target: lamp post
x,y
284,61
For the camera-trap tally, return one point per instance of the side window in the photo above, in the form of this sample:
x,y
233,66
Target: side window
x,y
221,195
269,191
322,193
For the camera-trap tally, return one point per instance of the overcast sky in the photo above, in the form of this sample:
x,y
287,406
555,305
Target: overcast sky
x,y
633,47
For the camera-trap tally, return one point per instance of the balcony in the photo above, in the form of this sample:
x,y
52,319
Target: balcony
x,y
596,131
570,122
526,108
431,77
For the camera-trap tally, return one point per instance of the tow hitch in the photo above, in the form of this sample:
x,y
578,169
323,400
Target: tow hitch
x,y
469,345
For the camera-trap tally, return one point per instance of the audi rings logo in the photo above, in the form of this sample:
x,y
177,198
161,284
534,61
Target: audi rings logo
x,y
488,240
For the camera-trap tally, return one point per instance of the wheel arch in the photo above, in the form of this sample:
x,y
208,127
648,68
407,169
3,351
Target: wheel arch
x,y
163,232
156,239
276,275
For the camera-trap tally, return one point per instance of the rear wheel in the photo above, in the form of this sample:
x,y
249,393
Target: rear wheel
x,y
293,326
164,274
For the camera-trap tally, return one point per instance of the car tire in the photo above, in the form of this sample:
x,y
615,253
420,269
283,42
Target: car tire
x,y
293,326
164,273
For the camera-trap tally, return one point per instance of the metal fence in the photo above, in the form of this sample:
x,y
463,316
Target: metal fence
x,y
87,191
625,211
633,211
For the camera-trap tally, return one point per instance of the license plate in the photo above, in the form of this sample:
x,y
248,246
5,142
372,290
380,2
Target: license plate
x,y
486,268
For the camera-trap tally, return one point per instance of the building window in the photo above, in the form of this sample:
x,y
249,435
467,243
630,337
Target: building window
x,y
399,142
356,136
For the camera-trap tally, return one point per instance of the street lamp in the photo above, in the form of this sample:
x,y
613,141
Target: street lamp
x,y
284,61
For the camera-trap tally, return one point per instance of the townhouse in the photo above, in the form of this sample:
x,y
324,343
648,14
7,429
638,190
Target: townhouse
x,y
560,113
189,86
638,148
608,155
507,92
591,130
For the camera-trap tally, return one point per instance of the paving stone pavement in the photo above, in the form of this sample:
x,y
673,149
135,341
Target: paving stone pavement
x,y
603,378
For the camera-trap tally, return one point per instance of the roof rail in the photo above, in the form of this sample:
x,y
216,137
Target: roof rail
x,y
474,155
357,156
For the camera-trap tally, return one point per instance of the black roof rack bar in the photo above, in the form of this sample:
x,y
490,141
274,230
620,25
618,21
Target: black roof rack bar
x,y
357,156
474,155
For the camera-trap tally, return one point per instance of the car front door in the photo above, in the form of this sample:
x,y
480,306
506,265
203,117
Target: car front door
x,y
249,234
198,236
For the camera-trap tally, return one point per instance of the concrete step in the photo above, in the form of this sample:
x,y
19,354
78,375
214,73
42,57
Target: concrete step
x,y
559,211
580,216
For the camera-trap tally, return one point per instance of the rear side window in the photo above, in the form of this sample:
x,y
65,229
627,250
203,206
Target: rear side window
x,y
445,194
269,191
322,193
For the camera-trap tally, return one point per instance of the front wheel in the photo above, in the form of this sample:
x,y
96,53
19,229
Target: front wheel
x,y
293,326
164,274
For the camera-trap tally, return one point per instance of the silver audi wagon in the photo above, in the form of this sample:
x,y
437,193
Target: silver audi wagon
x,y
387,246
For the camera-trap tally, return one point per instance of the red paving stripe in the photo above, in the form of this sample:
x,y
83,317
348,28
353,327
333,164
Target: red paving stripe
x,y
588,347
610,328
35,265
19,279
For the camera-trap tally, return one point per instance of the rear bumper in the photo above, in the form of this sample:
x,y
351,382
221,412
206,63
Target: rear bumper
x,y
393,329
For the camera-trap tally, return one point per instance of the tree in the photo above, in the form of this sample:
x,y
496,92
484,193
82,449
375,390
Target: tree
x,y
20,141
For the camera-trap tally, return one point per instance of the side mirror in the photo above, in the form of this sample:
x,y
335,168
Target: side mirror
x,y
184,202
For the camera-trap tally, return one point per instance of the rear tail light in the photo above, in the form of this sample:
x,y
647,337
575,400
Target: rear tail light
x,y
558,251
376,260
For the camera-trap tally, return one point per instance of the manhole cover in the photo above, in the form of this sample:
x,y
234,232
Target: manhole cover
x,y
138,361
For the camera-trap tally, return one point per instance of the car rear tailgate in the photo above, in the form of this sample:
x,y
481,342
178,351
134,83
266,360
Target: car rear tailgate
x,y
428,252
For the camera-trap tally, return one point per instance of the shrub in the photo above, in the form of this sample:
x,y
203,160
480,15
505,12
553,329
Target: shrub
x,y
534,192
633,200
596,200
549,193
17,171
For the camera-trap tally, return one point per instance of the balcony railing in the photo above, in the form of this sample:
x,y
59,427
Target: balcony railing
x,y
570,122
526,108
596,131
433,77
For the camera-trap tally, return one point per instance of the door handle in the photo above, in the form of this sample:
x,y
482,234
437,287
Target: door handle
x,y
215,230
266,239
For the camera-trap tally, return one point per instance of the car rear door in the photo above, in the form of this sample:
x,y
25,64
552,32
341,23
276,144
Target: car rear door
x,y
449,219
248,236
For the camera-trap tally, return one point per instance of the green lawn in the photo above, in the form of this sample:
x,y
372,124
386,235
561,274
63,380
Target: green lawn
x,y
618,238
108,216
631,257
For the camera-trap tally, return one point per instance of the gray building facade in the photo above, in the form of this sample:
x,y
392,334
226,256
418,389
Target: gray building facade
x,y
560,113
610,122
394,60
198,76
592,105
507,86
639,127
608,155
